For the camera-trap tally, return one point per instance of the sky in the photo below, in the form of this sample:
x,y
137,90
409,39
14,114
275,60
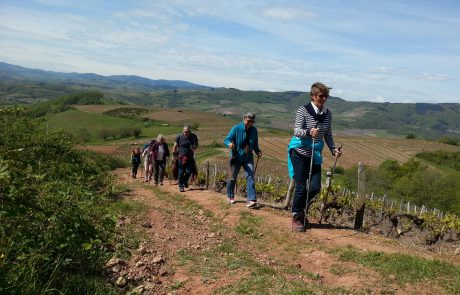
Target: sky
x,y
381,51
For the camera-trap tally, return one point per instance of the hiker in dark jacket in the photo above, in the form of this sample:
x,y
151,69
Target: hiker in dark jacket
x,y
242,140
160,156
135,160
184,148
300,150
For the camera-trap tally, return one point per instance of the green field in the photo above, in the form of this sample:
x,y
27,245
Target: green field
x,y
75,122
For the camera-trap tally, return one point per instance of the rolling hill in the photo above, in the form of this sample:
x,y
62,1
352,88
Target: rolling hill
x,y
275,109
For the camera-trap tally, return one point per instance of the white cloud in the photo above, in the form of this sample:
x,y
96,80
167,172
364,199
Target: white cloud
x,y
287,13
432,77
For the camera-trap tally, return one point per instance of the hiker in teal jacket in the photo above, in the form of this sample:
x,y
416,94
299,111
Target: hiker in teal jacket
x,y
242,140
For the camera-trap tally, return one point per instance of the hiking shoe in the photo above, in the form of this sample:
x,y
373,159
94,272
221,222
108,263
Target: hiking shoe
x,y
297,223
231,201
161,182
186,185
251,204
181,189
156,183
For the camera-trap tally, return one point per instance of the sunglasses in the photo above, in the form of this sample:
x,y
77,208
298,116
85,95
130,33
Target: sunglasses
x,y
322,96
250,121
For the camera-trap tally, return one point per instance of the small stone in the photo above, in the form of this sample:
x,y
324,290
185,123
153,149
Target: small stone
x,y
196,247
155,279
200,212
116,269
136,291
157,259
149,287
298,265
392,277
211,235
121,282
140,263
163,272
457,251
147,225
112,262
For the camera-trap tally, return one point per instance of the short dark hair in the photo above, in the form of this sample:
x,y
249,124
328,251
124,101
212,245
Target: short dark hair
x,y
319,88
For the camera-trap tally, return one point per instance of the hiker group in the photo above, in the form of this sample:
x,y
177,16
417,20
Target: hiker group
x,y
312,130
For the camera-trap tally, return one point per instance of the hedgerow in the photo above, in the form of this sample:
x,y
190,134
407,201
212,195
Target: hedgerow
x,y
54,223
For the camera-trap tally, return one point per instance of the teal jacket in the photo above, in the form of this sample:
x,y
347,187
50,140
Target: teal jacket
x,y
298,142
237,135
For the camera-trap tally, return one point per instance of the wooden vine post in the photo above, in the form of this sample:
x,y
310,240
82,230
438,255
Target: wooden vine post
x,y
290,191
361,204
207,175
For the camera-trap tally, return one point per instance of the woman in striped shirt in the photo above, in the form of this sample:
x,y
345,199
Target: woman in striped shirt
x,y
312,121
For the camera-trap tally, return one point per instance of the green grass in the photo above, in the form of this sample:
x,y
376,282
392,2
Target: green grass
x,y
249,225
74,121
207,153
406,268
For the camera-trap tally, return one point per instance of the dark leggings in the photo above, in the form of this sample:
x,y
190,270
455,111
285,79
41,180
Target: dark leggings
x,y
301,165
135,167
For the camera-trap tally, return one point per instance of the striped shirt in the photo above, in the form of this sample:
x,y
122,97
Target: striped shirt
x,y
305,119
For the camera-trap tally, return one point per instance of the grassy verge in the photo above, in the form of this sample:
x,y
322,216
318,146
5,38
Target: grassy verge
x,y
405,268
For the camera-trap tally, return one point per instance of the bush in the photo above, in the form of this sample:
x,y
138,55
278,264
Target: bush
x,y
449,140
54,224
411,136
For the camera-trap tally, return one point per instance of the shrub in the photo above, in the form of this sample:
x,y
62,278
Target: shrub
x,y
53,198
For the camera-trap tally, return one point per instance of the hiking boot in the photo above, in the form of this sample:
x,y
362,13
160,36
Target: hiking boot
x,y
161,182
251,204
156,183
231,201
297,223
181,189
186,185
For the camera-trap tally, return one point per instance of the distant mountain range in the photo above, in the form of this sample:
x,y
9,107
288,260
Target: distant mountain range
x,y
275,109
9,72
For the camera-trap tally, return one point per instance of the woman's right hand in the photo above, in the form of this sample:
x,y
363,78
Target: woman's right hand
x,y
314,132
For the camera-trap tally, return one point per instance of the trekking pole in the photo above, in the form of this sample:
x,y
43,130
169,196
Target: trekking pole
x,y
309,177
328,189
255,168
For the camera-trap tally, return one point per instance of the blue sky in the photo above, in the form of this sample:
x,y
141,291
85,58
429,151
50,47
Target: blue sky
x,y
395,51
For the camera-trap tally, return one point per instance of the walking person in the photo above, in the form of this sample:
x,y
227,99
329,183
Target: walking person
x,y
312,128
160,156
243,140
135,160
147,155
184,148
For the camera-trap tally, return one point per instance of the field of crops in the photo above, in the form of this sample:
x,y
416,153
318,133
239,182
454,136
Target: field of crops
x,y
371,151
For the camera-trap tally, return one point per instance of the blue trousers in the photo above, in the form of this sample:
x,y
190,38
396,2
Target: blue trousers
x,y
248,167
184,171
301,165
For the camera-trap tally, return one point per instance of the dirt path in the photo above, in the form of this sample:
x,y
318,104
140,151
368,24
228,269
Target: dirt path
x,y
212,247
